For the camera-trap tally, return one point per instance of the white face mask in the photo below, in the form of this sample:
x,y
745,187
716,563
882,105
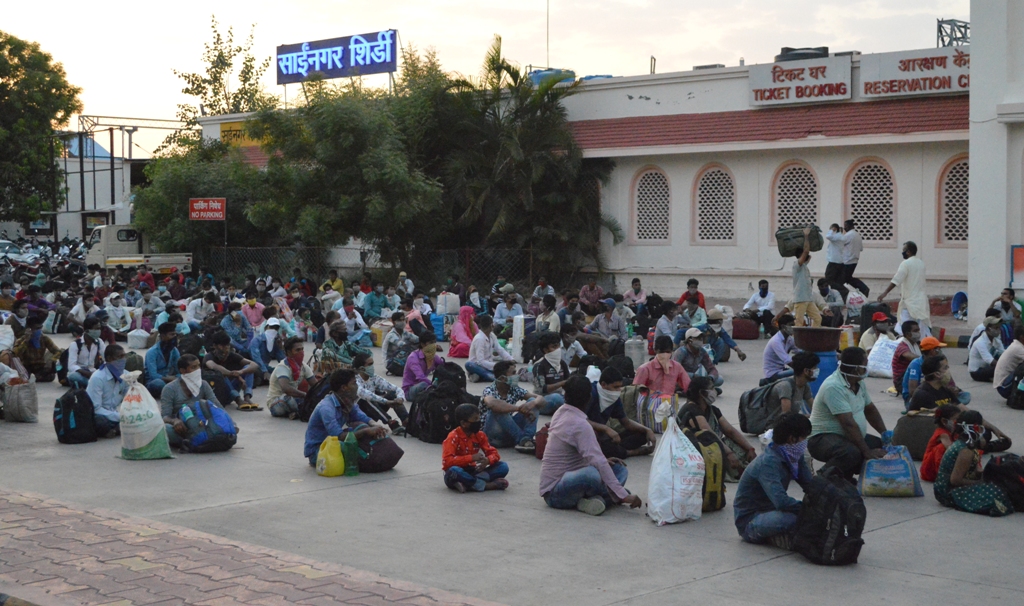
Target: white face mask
x,y
607,396
475,298
193,381
271,334
814,374
554,358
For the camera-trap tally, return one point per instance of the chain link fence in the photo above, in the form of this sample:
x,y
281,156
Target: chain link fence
x,y
429,270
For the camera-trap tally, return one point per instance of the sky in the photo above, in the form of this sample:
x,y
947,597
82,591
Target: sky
x,y
122,54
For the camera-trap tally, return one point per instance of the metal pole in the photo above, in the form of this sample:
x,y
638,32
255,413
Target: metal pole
x,y
112,194
92,138
547,34
81,171
225,268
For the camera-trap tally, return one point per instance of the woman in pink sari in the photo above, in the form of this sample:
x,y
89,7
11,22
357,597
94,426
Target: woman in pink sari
x,y
463,332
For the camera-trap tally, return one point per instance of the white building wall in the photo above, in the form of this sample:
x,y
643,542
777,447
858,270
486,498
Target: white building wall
x,y
733,269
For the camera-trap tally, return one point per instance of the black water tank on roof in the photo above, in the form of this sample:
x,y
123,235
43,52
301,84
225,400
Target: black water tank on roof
x,y
796,54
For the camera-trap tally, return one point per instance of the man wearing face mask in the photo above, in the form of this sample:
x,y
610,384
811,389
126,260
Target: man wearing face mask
x,y
238,371
252,309
762,509
550,373
420,365
337,415
84,355
373,303
663,374
936,388
82,309
609,325
572,350
831,303
287,380
162,360
18,318
118,318
881,324
721,342
398,344
793,394
636,297
378,391
908,350
605,405
266,347
199,309
32,348
106,389
695,359
910,277
840,417
778,351
148,302
761,307
1013,357
985,351
7,296
186,389
237,328
484,352
509,411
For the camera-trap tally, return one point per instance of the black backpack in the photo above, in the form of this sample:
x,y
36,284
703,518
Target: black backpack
x,y
62,363
190,344
753,411
317,392
450,371
654,307
831,520
1016,398
1008,471
432,416
73,418
624,365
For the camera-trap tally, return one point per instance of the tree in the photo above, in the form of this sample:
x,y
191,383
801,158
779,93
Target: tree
x,y
35,99
212,88
207,169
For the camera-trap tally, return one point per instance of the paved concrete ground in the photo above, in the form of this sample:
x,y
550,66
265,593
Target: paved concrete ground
x,y
509,547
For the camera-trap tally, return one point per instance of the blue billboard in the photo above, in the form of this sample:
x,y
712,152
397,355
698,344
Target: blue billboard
x,y
338,57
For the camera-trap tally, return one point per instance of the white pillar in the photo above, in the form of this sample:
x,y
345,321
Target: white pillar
x,y
997,85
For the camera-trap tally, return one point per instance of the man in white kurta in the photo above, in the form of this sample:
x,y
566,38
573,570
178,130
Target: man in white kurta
x,y
910,277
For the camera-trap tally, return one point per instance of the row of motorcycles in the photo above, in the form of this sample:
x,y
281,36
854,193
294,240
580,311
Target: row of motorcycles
x,y
29,257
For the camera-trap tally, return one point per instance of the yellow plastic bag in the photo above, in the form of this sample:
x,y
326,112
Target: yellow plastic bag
x,y
330,462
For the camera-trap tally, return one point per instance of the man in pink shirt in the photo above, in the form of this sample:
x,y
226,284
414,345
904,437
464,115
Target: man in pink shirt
x,y
590,297
663,374
574,473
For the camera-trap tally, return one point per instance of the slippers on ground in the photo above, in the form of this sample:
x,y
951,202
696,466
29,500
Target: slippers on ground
x,y
250,406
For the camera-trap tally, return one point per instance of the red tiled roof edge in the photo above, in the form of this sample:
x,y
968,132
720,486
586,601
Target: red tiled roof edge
x,y
897,116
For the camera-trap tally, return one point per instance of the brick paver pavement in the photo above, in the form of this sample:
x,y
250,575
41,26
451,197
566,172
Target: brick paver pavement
x,y
103,557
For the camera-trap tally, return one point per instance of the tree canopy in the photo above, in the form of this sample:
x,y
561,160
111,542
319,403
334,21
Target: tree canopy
x,y
35,100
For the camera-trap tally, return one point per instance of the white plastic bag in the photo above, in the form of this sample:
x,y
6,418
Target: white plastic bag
x,y
138,338
21,402
518,334
676,486
142,428
448,304
6,337
728,315
880,358
854,301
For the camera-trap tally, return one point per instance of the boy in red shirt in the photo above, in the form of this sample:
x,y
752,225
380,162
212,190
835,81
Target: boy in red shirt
x,y
468,459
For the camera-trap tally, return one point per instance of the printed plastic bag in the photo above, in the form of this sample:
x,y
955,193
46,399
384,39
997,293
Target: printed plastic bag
x,y
142,428
676,485
654,409
21,402
330,463
854,301
894,475
880,358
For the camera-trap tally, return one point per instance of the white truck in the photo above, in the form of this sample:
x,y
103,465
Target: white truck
x,y
113,245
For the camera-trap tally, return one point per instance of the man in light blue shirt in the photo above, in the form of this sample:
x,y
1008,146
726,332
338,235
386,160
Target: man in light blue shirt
x,y
106,389
503,315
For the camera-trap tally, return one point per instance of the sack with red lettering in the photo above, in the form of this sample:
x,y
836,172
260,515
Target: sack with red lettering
x,y
675,491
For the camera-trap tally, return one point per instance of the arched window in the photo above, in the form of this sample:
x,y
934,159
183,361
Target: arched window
x,y
795,196
652,203
714,200
954,204
871,200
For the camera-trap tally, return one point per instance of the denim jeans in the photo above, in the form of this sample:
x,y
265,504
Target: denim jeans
x,y
415,391
475,480
361,337
505,429
582,484
77,380
238,383
766,525
484,374
155,387
551,403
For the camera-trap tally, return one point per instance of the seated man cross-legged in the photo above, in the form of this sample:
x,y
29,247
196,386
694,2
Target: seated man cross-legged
x,y
510,412
762,509
574,474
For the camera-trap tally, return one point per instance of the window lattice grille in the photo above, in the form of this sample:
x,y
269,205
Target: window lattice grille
x,y
871,199
652,207
955,203
716,206
796,197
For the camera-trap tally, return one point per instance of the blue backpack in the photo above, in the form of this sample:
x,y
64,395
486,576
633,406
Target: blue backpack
x,y
210,427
